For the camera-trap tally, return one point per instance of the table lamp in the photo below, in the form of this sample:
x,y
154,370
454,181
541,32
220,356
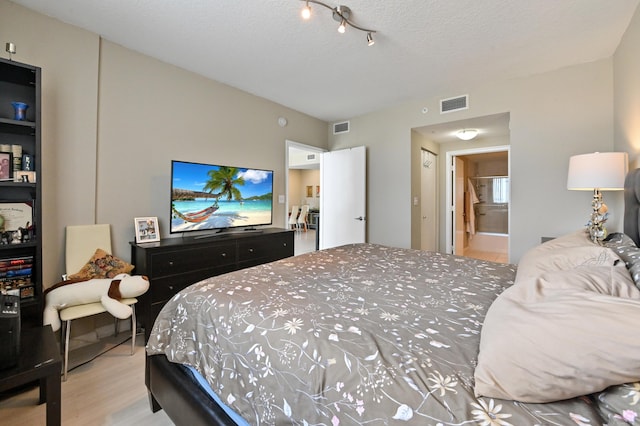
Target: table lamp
x,y
599,171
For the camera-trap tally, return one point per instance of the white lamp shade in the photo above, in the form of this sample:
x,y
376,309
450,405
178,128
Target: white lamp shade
x,y
600,170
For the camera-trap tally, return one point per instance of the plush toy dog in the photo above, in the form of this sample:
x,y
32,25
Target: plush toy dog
x,y
108,291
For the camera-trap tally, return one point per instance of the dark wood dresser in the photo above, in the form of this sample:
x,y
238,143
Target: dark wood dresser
x,y
175,263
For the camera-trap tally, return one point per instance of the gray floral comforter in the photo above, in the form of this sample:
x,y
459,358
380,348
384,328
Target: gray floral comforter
x,y
360,334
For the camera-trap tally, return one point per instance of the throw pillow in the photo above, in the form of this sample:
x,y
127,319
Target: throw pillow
x,y
624,247
102,265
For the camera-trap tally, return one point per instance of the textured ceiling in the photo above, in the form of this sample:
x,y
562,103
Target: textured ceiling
x,y
423,48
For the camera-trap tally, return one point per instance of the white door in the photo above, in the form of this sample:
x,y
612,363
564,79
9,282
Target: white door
x,y
343,197
428,185
458,207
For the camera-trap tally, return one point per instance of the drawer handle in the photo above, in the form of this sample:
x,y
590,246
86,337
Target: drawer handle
x,y
170,287
250,250
171,263
224,255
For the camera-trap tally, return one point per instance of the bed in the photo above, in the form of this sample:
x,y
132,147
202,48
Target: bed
x,y
376,335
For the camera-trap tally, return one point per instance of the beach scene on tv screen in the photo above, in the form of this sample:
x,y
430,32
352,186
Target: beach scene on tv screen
x,y
205,197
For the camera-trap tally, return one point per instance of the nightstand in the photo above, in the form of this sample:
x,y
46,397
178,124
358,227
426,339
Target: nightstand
x,y
39,360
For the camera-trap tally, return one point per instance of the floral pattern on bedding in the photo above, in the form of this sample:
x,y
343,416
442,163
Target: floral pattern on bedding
x,y
620,405
360,334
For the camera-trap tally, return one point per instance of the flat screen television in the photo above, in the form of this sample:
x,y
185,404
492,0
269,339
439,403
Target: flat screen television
x,y
216,197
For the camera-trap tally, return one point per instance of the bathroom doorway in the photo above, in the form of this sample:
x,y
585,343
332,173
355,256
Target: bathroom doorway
x,y
480,200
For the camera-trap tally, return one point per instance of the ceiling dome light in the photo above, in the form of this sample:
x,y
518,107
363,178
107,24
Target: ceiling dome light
x,y
467,134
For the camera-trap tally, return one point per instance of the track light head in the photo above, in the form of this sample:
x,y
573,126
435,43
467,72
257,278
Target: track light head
x,y
306,12
343,27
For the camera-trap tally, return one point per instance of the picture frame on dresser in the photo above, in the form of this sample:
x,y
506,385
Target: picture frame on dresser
x,y
147,229
6,166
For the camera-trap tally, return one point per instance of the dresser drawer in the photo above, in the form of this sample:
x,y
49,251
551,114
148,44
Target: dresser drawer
x,y
255,251
163,289
186,260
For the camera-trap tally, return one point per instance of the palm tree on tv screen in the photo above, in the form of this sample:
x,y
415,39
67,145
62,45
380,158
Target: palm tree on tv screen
x,y
225,181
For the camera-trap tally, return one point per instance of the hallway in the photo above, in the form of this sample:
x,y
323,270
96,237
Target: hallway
x,y
304,242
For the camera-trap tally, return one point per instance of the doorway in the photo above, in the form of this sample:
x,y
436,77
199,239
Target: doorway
x,y
478,188
302,187
335,194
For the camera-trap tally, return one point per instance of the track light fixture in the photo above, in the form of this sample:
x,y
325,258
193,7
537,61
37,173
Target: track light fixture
x,y
341,14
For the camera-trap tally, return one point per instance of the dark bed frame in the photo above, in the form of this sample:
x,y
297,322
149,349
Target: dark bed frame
x,y
172,388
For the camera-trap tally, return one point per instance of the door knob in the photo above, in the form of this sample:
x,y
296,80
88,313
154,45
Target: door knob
x,y
359,218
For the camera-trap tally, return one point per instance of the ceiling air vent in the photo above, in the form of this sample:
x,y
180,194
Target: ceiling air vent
x,y
454,104
341,127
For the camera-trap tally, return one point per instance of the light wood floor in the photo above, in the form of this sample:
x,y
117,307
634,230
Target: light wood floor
x,y
109,390
487,255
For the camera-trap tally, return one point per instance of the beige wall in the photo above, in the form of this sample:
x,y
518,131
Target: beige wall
x,y
299,179
113,119
295,187
153,112
553,116
69,58
627,92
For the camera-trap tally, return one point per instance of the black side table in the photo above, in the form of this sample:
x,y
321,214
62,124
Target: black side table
x,y
39,360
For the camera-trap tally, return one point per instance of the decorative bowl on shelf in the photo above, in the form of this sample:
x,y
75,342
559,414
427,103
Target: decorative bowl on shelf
x,y
20,110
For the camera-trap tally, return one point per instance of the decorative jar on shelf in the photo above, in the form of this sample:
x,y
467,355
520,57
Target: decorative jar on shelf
x,y
20,110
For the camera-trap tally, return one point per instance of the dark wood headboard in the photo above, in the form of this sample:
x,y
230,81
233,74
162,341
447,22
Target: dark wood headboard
x,y
632,205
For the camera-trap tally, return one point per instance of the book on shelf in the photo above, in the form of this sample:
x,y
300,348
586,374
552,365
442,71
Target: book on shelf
x,y
15,276
13,261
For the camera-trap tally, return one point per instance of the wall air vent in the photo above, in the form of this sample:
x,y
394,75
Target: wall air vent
x,y
454,104
341,127
311,157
